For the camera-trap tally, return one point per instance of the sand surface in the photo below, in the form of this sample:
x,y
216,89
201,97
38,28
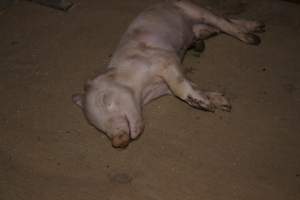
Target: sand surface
x,y
48,151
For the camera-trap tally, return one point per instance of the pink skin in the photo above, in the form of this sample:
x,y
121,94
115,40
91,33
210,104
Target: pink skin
x,y
146,63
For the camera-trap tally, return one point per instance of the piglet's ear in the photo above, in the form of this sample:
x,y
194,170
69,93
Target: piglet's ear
x,y
78,99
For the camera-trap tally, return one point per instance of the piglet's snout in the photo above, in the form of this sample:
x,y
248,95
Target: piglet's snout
x,y
120,141
121,137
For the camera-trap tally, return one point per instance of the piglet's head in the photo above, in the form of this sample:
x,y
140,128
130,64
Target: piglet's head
x,y
111,108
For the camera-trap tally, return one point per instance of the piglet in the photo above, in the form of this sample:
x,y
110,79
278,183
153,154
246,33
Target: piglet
x,y
146,66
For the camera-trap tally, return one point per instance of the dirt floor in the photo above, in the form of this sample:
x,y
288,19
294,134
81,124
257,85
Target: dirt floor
x,y
48,151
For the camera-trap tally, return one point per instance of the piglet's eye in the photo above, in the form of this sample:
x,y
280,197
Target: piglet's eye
x,y
107,99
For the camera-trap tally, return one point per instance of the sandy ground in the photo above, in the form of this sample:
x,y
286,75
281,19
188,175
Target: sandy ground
x,y
48,151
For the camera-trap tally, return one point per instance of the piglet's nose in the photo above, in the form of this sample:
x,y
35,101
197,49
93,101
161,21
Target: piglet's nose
x,y
120,141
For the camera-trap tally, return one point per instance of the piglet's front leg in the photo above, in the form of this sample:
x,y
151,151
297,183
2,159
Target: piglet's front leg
x,y
185,90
